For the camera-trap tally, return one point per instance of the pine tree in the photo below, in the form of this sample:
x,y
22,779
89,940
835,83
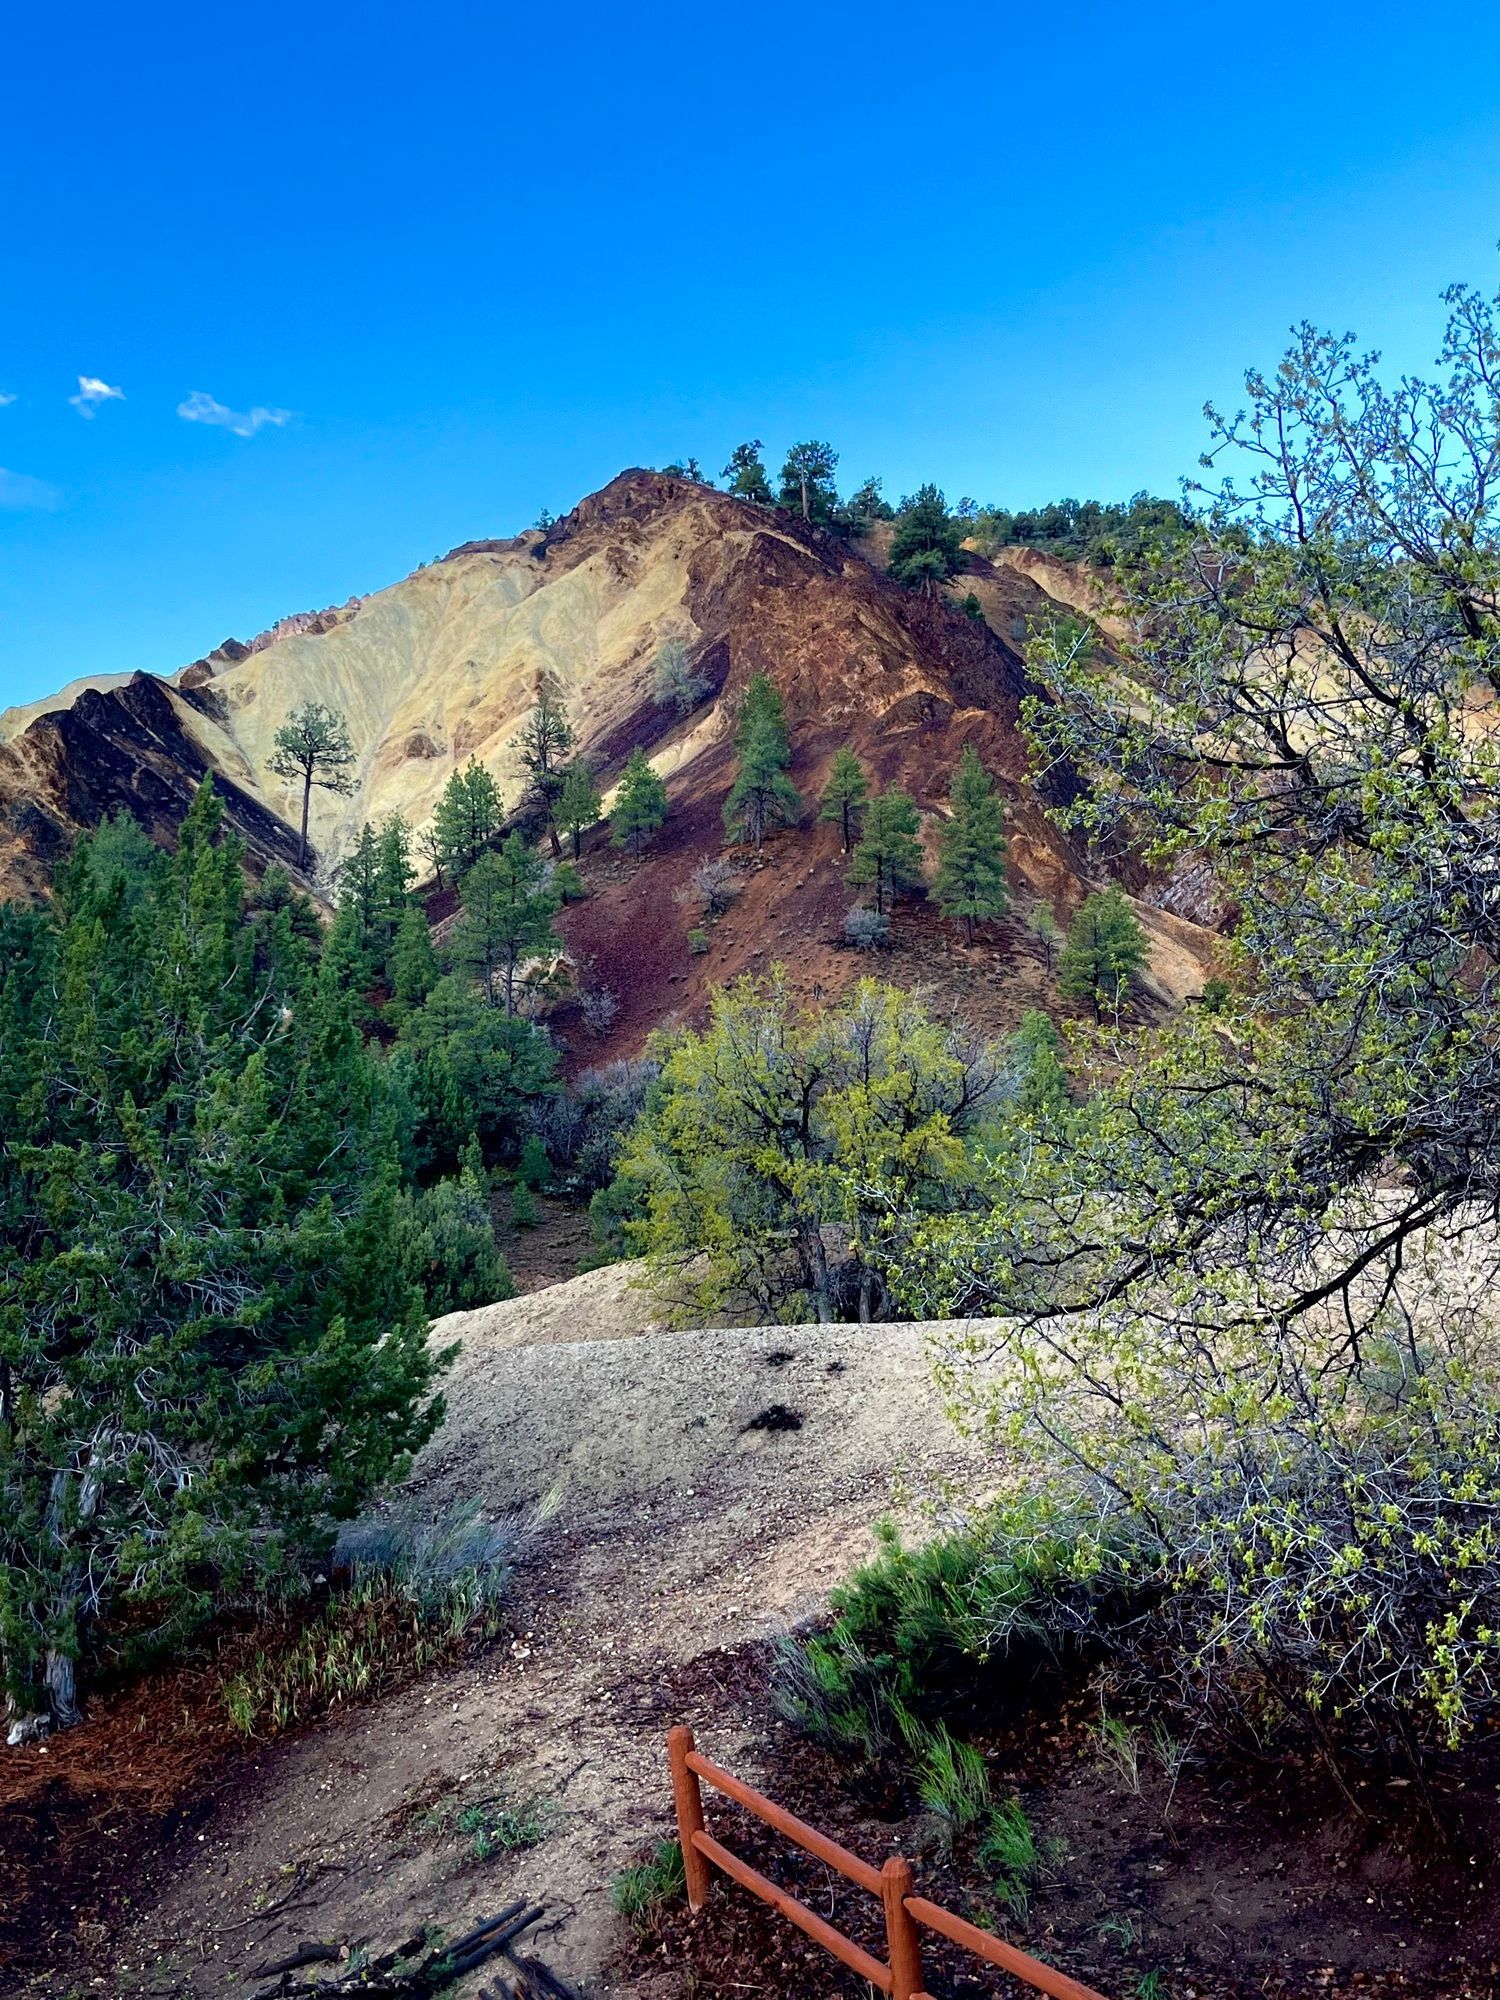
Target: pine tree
x,y
1044,924
467,817
927,548
745,474
888,856
313,745
1105,950
545,740
640,804
971,847
762,794
414,966
578,803
507,907
807,480
845,794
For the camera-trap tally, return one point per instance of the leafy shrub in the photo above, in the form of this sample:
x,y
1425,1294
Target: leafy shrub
x,y
533,1167
921,1635
524,1213
568,883
697,942
582,1128
641,1892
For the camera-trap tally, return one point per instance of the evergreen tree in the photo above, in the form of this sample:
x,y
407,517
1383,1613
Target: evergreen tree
x,y
844,795
745,474
470,1072
971,847
867,504
1104,951
640,804
889,856
762,794
545,740
506,909
807,480
313,745
927,549
578,803
1044,924
467,817
207,1353
414,966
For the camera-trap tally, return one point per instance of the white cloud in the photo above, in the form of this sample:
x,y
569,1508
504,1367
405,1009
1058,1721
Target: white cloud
x,y
20,493
5,401
91,393
201,409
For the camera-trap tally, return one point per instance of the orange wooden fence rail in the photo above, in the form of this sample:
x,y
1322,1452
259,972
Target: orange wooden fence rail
x,y
906,1914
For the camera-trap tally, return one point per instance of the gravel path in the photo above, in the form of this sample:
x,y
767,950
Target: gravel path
x,y
702,1490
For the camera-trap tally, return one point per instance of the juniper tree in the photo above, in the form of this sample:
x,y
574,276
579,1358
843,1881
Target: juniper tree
x,y
207,1353
313,745
845,794
762,794
971,847
640,804
889,855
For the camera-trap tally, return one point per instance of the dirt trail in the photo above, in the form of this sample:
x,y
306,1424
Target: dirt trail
x,y
680,1528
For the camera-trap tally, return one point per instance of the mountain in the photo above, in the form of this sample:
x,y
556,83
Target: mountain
x,y
446,664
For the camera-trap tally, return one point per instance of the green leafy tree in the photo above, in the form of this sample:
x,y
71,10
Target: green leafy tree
x,y
313,746
777,1135
579,804
545,740
927,549
745,474
807,480
845,794
506,908
971,847
889,855
762,794
467,817
207,1353
640,804
1104,952
1247,1302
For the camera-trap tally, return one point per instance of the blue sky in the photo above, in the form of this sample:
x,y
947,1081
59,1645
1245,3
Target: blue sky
x,y
483,257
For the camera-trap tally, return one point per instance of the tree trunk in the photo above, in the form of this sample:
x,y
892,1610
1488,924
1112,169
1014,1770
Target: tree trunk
x,y
556,843
968,928
306,803
577,842
510,987
805,514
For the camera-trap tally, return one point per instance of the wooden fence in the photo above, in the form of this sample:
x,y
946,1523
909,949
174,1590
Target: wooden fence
x,y
907,1915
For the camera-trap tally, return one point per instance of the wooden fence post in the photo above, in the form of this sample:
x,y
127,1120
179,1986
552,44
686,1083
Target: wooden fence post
x,y
687,1796
903,1941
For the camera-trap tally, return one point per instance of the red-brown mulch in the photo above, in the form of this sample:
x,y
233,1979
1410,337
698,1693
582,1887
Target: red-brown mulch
x,y
1241,1883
